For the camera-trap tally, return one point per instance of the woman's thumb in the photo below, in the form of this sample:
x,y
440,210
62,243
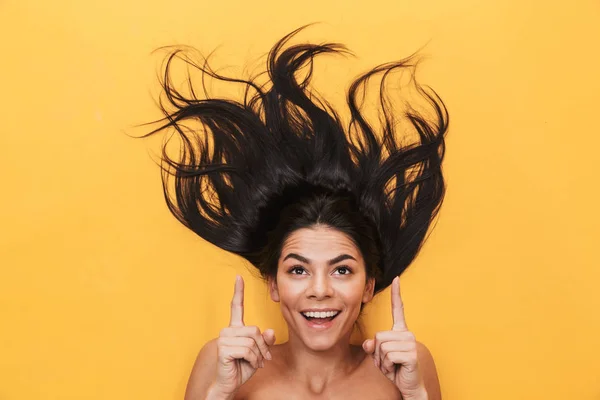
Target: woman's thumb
x,y
368,346
269,337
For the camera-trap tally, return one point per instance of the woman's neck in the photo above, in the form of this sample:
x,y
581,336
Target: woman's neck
x,y
318,369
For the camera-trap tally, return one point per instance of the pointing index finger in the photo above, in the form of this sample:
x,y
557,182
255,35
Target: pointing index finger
x,y
397,307
237,303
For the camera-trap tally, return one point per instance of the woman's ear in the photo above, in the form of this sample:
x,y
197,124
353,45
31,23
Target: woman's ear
x,y
369,289
273,290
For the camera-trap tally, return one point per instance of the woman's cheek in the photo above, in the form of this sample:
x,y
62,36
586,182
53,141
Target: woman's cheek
x,y
290,294
352,292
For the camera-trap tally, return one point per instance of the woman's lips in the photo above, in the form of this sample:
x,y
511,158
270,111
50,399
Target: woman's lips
x,y
320,323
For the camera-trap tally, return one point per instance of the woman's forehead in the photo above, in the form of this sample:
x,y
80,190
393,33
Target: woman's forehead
x,y
319,243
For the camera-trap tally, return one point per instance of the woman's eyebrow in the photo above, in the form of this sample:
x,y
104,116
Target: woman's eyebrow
x,y
336,260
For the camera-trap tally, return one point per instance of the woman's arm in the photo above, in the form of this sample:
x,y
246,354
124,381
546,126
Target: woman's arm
x,y
430,376
203,373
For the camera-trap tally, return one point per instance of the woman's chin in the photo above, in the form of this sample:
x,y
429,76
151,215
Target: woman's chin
x,y
320,344
317,342
320,335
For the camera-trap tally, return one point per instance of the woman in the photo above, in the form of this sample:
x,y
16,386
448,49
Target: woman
x,y
330,216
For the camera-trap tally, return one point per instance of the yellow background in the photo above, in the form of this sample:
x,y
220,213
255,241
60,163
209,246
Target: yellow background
x,y
103,295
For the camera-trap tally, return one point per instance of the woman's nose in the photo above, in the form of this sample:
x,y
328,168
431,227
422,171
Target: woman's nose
x,y
319,287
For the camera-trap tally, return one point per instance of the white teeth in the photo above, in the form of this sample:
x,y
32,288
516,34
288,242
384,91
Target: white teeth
x,y
322,314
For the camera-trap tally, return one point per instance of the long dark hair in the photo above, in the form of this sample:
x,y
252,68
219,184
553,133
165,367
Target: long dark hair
x,y
281,160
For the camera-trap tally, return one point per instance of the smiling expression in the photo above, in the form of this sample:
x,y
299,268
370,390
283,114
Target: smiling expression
x,y
320,272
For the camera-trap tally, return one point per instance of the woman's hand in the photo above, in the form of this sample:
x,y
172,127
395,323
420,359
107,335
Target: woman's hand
x,y
395,352
241,350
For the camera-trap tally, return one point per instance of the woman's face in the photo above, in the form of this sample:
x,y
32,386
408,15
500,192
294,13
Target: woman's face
x,y
320,270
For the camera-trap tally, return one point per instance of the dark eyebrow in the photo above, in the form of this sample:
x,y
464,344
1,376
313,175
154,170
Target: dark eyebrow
x,y
341,258
336,260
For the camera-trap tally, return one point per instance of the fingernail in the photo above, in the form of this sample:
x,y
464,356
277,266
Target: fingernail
x,y
375,362
268,355
262,364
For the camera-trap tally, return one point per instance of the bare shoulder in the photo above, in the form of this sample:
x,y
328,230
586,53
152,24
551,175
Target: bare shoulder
x,y
203,371
429,371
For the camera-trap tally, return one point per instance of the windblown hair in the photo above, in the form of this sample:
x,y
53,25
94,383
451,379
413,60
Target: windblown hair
x,y
282,159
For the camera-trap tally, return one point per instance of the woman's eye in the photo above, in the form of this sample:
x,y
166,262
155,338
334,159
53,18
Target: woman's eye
x,y
343,270
295,269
